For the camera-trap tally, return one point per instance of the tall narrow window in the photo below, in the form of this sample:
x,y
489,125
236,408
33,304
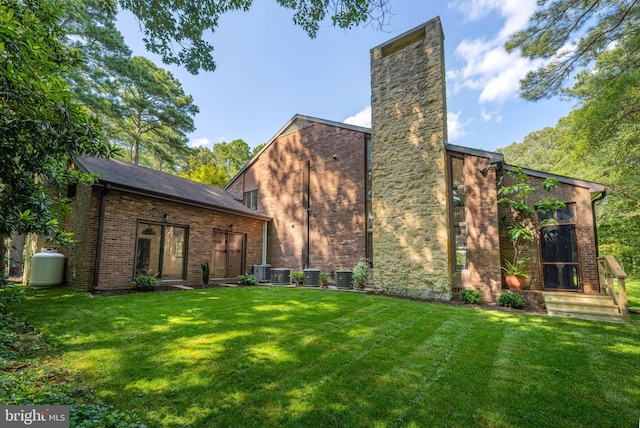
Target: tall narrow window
x,y
559,248
250,199
459,218
368,213
161,251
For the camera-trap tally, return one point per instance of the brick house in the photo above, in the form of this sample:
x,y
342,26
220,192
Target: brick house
x,y
325,194
311,178
138,221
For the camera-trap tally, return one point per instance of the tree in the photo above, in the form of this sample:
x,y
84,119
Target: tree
x,y
569,35
42,128
218,166
231,157
167,23
91,29
154,112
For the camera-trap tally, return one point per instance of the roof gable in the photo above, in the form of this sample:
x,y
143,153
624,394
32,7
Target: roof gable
x,y
297,123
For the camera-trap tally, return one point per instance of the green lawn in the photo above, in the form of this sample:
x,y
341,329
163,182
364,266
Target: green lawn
x,y
271,356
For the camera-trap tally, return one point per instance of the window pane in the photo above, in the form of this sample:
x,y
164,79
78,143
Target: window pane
x,y
459,215
173,259
148,250
559,244
568,214
219,256
561,277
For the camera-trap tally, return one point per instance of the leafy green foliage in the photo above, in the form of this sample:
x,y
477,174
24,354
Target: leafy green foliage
x,y
247,279
516,269
187,25
42,128
205,272
145,283
297,276
25,379
511,300
471,297
593,26
324,279
361,274
515,192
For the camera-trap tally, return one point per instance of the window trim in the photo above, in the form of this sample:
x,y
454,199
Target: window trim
x,y
250,199
573,222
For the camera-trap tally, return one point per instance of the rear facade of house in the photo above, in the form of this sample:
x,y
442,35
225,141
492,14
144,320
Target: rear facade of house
x,y
137,221
313,179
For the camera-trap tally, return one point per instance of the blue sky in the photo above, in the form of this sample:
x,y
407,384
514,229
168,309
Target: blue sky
x,y
268,70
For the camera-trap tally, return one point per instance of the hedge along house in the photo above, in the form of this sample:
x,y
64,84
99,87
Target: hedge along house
x,y
138,221
437,226
313,178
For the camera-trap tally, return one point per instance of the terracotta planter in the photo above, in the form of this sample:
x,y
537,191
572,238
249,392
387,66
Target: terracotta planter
x,y
514,282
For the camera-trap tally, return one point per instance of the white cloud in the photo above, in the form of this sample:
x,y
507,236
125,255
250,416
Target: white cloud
x,y
362,118
200,142
488,116
455,127
489,68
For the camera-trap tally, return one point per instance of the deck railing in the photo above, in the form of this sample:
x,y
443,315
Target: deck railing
x,y
612,277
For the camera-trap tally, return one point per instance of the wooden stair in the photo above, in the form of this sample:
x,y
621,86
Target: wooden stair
x,y
595,307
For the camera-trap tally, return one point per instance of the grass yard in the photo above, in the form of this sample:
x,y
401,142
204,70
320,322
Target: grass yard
x,y
271,356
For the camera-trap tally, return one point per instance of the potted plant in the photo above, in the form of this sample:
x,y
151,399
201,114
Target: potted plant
x,y
515,274
361,274
297,277
525,226
324,279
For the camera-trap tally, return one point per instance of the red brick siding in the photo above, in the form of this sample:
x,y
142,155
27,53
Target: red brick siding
x,y
123,211
82,220
482,229
584,230
337,196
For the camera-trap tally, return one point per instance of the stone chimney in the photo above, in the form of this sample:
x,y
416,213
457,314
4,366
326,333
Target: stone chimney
x,y
410,204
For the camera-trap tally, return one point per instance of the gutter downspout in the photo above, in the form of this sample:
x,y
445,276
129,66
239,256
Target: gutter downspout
x,y
264,242
593,211
96,267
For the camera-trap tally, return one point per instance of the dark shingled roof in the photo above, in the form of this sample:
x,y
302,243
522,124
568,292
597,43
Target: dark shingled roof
x,y
138,179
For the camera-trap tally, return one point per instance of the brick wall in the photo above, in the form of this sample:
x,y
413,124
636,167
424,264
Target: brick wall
x,y
336,195
411,232
585,235
483,242
82,219
122,212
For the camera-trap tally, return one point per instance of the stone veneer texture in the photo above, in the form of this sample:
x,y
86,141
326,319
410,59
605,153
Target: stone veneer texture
x,y
410,203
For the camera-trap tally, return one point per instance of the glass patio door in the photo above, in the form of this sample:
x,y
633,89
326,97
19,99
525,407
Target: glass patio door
x,y
227,254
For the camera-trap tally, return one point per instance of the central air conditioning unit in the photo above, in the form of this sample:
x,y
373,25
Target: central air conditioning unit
x,y
262,273
281,276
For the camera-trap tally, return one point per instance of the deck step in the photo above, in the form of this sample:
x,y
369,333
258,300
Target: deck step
x,y
582,306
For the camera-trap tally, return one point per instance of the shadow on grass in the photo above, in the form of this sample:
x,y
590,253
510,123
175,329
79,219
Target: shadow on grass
x,y
295,357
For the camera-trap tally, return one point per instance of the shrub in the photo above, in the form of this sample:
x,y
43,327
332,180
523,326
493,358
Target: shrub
x,y
324,279
205,272
361,274
471,297
145,283
297,276
512,300
247,279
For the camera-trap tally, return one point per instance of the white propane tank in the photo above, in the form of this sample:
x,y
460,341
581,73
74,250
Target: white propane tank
x,y
47,268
